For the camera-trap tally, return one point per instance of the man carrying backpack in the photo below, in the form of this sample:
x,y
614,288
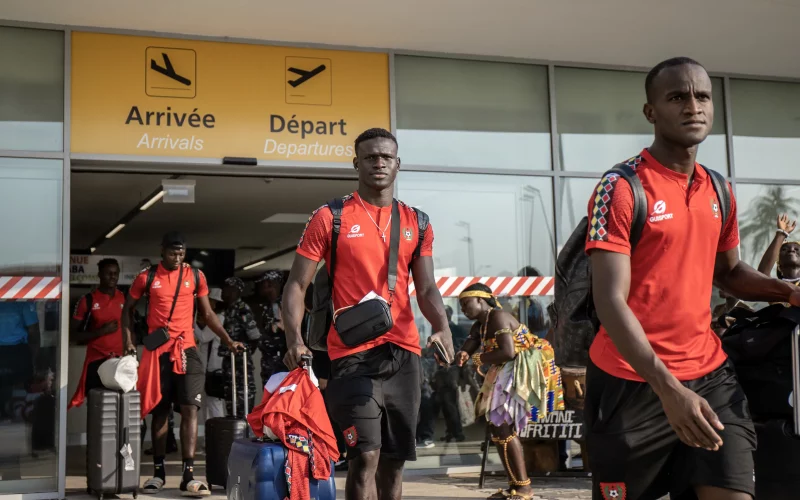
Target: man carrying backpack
x,y
171,373
664,410
371,244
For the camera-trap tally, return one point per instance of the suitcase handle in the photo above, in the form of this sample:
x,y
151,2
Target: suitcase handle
x,y
796,379
233,382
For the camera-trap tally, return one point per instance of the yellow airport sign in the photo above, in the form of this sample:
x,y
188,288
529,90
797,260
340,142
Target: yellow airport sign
x,y
168,97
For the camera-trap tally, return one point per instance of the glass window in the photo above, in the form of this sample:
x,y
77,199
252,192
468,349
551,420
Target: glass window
x,y
459,113
600,120
759,206
766,128
31,89
575,195
471,214
485,226
30,195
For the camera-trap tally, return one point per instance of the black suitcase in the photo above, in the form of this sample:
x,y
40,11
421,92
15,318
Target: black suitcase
x,y
114,425
777,474
222,432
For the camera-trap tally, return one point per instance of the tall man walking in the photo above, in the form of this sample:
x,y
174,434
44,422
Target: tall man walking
x,y
171,371
664,410
374,391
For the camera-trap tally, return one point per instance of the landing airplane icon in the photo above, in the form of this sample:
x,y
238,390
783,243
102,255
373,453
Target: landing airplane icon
x,y
168,70
305,75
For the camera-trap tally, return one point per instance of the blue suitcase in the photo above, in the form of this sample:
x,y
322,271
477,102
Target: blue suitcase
x,y
256,472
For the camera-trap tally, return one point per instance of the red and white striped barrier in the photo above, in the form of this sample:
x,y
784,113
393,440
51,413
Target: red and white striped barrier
x,y
29,288
502,286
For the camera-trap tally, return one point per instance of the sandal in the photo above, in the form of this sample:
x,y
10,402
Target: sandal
x,y
195,489
513,495
153,486
500,494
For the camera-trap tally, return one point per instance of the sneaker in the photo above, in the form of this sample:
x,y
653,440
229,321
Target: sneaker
x,y
426,443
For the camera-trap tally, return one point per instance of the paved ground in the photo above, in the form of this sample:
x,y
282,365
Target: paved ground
x,y
414,488
418,484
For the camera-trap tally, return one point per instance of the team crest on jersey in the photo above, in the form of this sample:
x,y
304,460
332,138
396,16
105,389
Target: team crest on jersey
x,y
351,436
187,284
715,208
613,491
408,234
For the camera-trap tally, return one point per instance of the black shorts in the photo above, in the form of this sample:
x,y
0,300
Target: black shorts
x,y
181,390
373,397
632,447
93,376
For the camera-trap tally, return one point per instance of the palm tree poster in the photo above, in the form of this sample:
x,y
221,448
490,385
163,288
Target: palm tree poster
x,y
757,220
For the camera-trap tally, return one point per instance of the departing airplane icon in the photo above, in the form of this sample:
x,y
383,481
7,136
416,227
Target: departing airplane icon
x,y
168,71
305,75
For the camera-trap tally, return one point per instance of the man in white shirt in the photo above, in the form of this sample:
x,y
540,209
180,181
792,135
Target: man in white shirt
x,y
208,342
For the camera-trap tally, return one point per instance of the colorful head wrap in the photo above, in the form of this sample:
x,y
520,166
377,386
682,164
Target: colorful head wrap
x,y
235,282
479,294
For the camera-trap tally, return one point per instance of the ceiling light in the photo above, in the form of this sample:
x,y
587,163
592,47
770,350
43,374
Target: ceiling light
x,y
115,231
91,250
152,201
286,219
254,265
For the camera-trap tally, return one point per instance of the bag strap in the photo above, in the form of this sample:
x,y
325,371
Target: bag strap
x,y
151,276
422,225
175,297
723,194
639,200
394,247
196,273
89,303
335,205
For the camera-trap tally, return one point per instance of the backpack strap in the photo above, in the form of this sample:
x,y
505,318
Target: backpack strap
x,y
422,223
335,205
89,303
639,200
196,273
723,194
151,276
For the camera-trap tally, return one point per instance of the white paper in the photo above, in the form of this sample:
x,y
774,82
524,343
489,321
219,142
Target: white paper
x,y
371,295
127,454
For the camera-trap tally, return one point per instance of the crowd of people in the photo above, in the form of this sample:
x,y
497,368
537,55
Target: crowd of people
x,y
664,410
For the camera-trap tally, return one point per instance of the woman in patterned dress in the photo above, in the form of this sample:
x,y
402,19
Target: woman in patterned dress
x,y
522,382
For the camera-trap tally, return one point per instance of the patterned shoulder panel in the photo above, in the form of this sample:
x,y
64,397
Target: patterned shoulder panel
x,y
633,162
601,204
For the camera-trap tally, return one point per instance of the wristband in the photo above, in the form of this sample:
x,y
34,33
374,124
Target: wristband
x,y
781,231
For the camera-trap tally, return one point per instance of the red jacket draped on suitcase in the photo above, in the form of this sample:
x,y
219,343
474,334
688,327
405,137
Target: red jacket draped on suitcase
x,y
296,414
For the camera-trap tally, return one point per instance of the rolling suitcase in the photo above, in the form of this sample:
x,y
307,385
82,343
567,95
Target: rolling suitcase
x,y
113,448
222,432
256,472
777,474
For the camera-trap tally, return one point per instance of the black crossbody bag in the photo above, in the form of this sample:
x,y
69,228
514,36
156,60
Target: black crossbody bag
x,y
372,318
160,336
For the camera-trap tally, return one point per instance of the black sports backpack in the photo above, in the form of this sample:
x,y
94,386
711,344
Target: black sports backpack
x,y
321,316
576,322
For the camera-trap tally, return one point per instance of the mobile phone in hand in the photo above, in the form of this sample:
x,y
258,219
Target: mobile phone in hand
x,y
441,353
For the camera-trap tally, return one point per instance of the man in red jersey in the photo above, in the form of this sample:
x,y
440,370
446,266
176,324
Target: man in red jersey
x,y
97,323
171,372
374,390
665,412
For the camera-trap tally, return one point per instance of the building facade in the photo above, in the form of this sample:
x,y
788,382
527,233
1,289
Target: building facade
x,y
503,154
